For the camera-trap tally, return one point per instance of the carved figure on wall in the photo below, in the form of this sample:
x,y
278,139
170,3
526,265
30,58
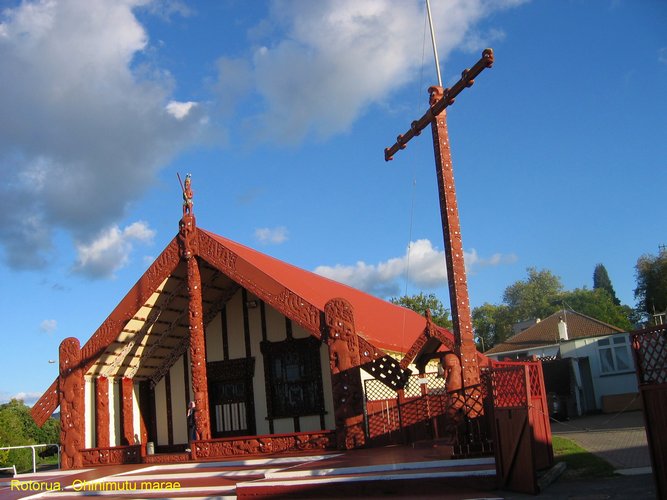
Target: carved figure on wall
x,y
344,359
452,368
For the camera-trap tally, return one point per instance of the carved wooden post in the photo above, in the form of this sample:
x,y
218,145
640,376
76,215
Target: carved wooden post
x,y
344,360
102,412
451,229
189,248
126,389
71,395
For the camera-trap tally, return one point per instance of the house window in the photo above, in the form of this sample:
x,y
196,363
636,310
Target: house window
x,y
293,378
614,354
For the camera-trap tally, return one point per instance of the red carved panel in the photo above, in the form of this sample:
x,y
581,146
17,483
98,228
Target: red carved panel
x,y
102,412
71,392
167,458
114,455
198,351
127,397
263,445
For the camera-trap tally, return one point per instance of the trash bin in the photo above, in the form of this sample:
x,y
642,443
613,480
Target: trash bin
x,y
150,448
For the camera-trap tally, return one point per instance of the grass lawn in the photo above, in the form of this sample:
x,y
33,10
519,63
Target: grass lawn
x,y
580,463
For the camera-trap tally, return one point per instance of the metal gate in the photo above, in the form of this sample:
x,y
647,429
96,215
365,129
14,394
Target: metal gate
x,y
649,348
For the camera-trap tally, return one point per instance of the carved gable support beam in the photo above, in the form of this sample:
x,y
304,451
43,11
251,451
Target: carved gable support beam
x,y
198,351
71,395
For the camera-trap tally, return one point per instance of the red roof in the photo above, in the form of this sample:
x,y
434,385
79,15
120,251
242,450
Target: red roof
x,y
384,324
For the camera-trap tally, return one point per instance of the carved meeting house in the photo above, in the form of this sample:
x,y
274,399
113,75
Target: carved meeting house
x,y
272,355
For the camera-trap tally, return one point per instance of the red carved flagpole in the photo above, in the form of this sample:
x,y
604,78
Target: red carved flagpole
x,y
440,99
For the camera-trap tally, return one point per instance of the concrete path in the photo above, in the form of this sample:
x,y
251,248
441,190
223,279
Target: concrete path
x,y
618,438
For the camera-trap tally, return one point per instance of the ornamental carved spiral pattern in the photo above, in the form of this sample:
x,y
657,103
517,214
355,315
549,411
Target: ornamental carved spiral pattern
x,y
263,445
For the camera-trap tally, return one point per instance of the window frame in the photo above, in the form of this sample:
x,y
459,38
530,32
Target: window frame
x,y
280,391
608,349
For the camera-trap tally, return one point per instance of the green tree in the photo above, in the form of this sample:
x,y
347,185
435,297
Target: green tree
x,y
533,297
538,296
419,303
599,304
492,325
601,280
17,428
651,291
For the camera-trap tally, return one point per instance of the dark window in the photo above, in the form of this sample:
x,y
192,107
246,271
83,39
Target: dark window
x,y
293,378
231,397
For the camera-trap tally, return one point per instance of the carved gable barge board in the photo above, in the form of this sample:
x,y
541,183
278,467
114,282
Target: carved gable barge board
x,y
161,268
260,284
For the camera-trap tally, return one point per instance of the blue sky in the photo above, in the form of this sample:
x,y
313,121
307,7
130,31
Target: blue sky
x,y
281,111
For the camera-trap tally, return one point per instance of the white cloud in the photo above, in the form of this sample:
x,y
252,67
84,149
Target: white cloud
x,y
180,110
267,235
424,265
48,325
354,51
84,127
29,398
111,250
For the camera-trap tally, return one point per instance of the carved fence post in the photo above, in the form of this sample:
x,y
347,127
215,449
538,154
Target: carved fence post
x,y
71,395
344,361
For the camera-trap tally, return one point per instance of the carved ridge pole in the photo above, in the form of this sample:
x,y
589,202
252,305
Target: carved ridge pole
x,y
344,361
189,248
71,395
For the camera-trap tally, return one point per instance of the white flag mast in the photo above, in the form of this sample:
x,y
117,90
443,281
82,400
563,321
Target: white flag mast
x,y
435,46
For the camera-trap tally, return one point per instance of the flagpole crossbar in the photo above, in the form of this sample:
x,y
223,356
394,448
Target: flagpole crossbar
x,y
449,95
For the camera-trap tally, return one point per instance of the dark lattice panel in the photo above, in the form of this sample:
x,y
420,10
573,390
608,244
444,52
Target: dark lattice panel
x,y
387,370
376,391
650,349
508,384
